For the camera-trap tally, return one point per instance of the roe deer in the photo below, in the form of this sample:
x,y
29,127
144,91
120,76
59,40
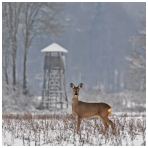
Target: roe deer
x,y
87,110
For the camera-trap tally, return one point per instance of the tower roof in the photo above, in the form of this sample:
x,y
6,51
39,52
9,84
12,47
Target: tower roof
x,y
54,47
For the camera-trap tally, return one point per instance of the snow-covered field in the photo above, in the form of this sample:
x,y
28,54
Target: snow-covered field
x,y
60,129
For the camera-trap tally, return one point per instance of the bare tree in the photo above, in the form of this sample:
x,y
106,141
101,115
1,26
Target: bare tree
x,y
11,18
141,39
5,54
38,18
5,51
33,19
138,60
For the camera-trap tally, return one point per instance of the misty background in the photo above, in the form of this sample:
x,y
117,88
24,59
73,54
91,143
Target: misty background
x,y
102,44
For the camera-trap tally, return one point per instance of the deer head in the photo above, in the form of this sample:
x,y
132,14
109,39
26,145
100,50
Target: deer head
x,y
76,89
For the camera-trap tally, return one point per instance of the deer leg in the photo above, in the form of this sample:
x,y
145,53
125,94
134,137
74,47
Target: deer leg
x,y
112,125
78,123
105,125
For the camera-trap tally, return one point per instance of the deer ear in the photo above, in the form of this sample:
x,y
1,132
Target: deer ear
x,y
80,85
72,85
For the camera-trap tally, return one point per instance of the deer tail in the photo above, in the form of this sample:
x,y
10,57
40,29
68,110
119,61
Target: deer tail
x,y
110,111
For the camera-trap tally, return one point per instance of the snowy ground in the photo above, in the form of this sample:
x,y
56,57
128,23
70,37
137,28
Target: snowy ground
x,y
60,129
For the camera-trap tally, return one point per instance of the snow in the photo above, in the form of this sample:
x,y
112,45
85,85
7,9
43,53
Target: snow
x,y
54,47
60,129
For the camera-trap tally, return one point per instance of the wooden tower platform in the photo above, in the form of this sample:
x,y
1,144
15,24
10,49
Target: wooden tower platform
x,y
54,96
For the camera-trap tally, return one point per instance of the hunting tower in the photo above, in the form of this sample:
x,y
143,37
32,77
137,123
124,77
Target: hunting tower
x,y
54,95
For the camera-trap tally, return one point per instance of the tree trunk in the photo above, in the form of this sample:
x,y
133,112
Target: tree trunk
x,y
24,73
6,76
14,62
5,67
25,52
13,72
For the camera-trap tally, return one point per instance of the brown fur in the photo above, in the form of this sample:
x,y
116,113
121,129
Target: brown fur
x,y
88,110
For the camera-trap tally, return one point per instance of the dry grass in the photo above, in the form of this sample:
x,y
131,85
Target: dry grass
x,y
60,129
